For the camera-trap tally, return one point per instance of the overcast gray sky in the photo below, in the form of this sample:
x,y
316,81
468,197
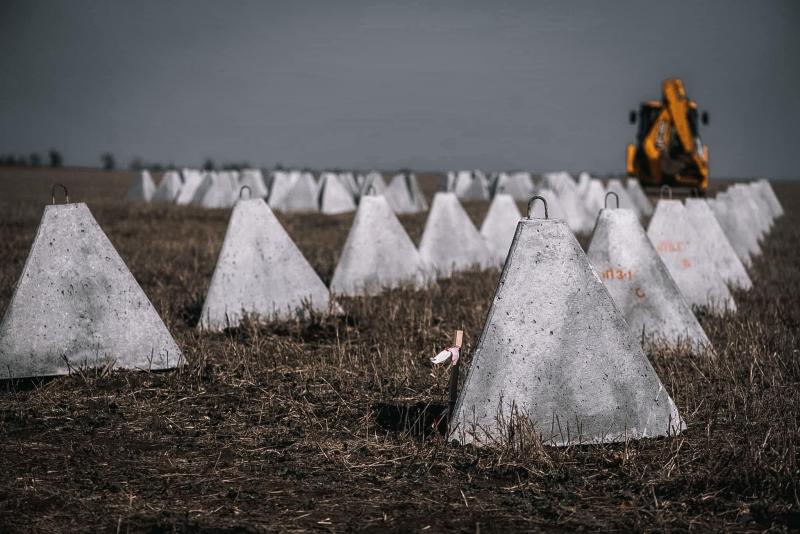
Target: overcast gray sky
x,y
432,85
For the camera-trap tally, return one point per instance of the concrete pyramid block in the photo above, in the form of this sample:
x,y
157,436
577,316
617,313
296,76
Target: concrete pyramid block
x,y
758,219
771,197
578,220
500,224
640,283
77,305
142,189
399,195
302,195
594,198
635,191
764,207
715,242
169,188
260,273
740,209
450,242
417,196
191,181
555,350
519,185
348,179
373,184
279,188
686,258
215,192
625,200
254,180
334,197
584,179
378,253
471,186
734,230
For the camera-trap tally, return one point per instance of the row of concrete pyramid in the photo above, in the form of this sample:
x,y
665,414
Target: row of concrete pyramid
x,y
285,191
560,344
576,203
260,272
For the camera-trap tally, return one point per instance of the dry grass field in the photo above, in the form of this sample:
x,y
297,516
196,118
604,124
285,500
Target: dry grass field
x,y
280,427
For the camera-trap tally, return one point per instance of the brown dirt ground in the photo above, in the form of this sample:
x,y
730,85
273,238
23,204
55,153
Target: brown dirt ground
x,y
274,428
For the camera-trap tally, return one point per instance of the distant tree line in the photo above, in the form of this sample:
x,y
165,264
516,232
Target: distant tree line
x,y
54,159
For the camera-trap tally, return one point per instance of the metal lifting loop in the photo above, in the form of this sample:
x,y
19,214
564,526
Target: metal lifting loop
x,y
371,189
530,206
605,202
249,192
666,188
66,193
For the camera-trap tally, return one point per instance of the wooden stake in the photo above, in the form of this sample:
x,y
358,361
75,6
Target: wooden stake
x,y
453,396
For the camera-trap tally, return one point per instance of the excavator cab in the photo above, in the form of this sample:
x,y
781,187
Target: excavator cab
x,y
668,149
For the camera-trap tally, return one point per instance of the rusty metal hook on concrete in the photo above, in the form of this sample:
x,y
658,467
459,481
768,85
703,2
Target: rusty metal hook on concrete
x,y
666,188
530,206
605,201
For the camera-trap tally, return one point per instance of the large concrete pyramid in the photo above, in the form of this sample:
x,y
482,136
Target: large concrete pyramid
x,y
500,224
764,207
716,243
686,257
191,181
640,283
450,242
378,253
635,191
77,305
142,189
260,272
169,188
555,350
334,197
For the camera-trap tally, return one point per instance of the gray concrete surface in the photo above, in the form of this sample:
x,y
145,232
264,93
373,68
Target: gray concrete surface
x,y
450,242
556,351
169,188
76,306
260,272
635,191
334,198
142,188
716,243
500,224
640,283
378,253
686,258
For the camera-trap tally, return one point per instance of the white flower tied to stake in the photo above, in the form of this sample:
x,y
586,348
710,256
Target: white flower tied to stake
x,y
451,355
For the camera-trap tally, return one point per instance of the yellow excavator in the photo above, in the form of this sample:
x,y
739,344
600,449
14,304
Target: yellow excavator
x,y
668,149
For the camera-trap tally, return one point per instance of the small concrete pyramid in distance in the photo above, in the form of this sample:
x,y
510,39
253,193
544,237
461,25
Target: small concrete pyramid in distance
x,y
594,198
519,185
373,184
716,244
730,225
761,202
747,230
555,350
215,191
260,273
400,195
684,254
745,202
635,191
334,198
472,187
169,188
191,181
417,196
450,242
142,189
500,224
640,283
76,305
254,181
378,253
772,198
302,196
